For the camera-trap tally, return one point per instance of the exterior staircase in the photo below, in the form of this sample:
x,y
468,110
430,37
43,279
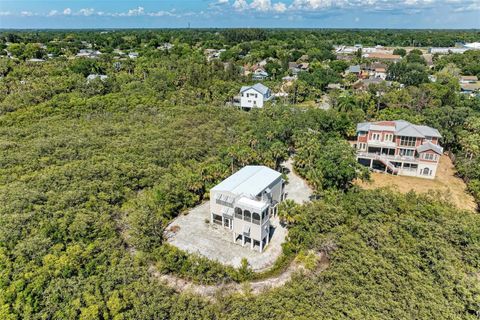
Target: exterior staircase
x,y
387,164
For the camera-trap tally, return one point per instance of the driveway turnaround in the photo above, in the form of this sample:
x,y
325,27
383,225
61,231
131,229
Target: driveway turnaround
x,y
195,234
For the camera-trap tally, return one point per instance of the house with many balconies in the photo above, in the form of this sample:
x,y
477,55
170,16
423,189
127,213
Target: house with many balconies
x,y
399,147
244,202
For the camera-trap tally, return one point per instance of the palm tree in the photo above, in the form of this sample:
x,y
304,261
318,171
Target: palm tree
x,y
346,103
287,212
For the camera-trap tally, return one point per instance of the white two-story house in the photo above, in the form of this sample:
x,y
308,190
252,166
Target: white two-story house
x,y
253,96
244,202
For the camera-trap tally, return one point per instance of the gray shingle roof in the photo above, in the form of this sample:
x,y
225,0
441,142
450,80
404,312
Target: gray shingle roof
x,y
258,87
430,146
354,69
403,128
250,180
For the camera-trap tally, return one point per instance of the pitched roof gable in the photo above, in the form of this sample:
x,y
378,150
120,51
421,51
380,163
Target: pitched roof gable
x,y
262,89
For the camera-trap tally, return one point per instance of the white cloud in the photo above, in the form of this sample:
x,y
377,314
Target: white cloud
x,y
280,7
26,13
240,5
161,14
140,11
259,5
474,6
86,11
67,11
5,13
53,13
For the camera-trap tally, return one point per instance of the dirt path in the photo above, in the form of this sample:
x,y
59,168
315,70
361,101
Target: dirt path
x,y
297,189
253,287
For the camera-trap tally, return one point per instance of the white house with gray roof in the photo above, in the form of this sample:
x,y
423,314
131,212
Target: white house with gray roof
x,y
244,202
399,147
253,96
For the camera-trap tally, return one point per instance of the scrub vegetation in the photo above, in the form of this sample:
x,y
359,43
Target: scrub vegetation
x,y
91,172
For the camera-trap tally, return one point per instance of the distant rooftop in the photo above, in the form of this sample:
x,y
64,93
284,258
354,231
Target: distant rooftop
x,y
250,180
400,128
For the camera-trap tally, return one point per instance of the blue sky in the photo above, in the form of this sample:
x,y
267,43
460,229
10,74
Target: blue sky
x,y
443,14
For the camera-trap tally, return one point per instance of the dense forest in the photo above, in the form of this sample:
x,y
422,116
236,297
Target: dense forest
x,y
92,171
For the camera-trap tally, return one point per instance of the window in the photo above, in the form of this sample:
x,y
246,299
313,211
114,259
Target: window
x,y
407,152
408,141
410,166
256,218
388,137
376,136
238,213
428,156
247,216
224,203
362,133
426,172
429,138
362,146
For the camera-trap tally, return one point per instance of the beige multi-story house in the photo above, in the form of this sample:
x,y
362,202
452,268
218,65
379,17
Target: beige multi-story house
x,y
399,147
244,203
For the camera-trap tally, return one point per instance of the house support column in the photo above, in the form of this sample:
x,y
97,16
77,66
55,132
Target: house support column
x,y
251,243
223,221
261,246
243,240
234,237
371,163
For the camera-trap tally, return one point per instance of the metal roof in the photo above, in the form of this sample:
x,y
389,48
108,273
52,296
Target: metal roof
x,y
430,146
354,69
402,128
250,180
258,87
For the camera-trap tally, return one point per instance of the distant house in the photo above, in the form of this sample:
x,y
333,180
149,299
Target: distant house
x,y
383,56
356,70
375,70
469,85
253,96
244,203
259,74
447,50
133,55
399,147
470,88
472,45
289,78
334,86
165,46
35,60
92,77
468,79
296,68
88,53
213,53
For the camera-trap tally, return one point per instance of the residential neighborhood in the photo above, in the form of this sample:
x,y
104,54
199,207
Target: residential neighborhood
x,y
200,172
